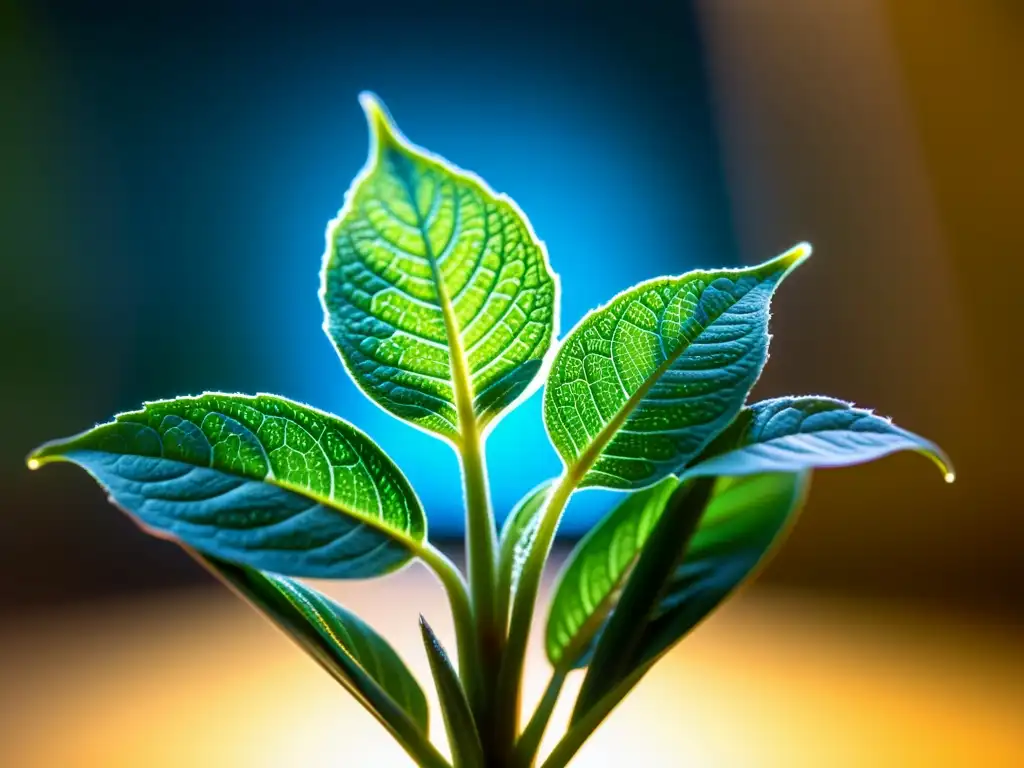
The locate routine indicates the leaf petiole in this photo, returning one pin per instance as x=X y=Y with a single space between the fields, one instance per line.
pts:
x=525 y=600
x=462 y=613
x=529 y=742
x=581 y=730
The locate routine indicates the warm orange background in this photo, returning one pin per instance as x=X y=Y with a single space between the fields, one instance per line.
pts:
x=776 y=679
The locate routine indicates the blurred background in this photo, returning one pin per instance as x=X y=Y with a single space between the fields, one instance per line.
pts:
x=168 y=169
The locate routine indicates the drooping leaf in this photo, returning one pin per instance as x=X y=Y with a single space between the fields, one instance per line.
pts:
x=352 y=652
x=788 y=434
x=680 y=578
x=458 y=717
x=259 y=480
x=592 y=578
x=345 y=645
x=432 y=284
x=641 y=385
x=517 y=537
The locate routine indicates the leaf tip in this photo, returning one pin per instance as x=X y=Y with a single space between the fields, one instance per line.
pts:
x=382 y=127
x=795 y=256
x=45 y=453
x=942 y=460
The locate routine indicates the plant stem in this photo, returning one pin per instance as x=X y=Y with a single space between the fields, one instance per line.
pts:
x=462 y=612
x=481 y=539
x=481 y=548
x=523 y=605
x=581 y=729
x=529 y=742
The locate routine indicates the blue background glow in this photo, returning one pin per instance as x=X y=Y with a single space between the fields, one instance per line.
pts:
x=200 y=176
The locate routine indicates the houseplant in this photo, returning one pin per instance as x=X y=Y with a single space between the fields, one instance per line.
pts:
x=443 y=306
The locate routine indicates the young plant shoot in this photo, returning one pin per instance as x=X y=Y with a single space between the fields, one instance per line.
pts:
x=443 y=307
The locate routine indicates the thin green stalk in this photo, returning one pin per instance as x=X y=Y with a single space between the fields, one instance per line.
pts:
x=481 y=538
x=462 y=612
x=524 y=604
x=481 y=548
x=529 y=742
x=525 y=600
x=581 y=730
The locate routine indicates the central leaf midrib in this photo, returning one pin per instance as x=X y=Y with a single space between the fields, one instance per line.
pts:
x=462 y=387
x=271 y=478
x=399 y=536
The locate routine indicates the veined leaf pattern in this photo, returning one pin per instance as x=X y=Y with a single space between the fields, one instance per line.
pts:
x=259 y=480
x=433 y=282
x=787 y=434
x=592 y=578
x=642 y=384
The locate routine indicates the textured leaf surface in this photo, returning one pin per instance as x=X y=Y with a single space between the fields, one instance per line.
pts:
x=256 y=480
x=517 y=536
x=789 y=434
x=458 y=718
x=424 y=265
x=642 y=384
x=354 y=654
x=678 y=581
x=592 y=577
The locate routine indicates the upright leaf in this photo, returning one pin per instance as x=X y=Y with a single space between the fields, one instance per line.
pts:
x=679 y=579
x=458 y=717
x=262 y=481
x=435 y=288
x=642 y=384
x=616 y=650
x=789 y=434
x=743 y=525
x=592 y=578
x=356 y=656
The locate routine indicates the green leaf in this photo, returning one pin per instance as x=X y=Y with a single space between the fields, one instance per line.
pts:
x=261 y=481
x=641 y=385
x=339 y=640
x=742 y=527
x=615 y=653
x=435 y=288
x=356 y=656
x=458 y=717
x=592 y=578
x=680 y=578
x=517 y=535
x=789 y=434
